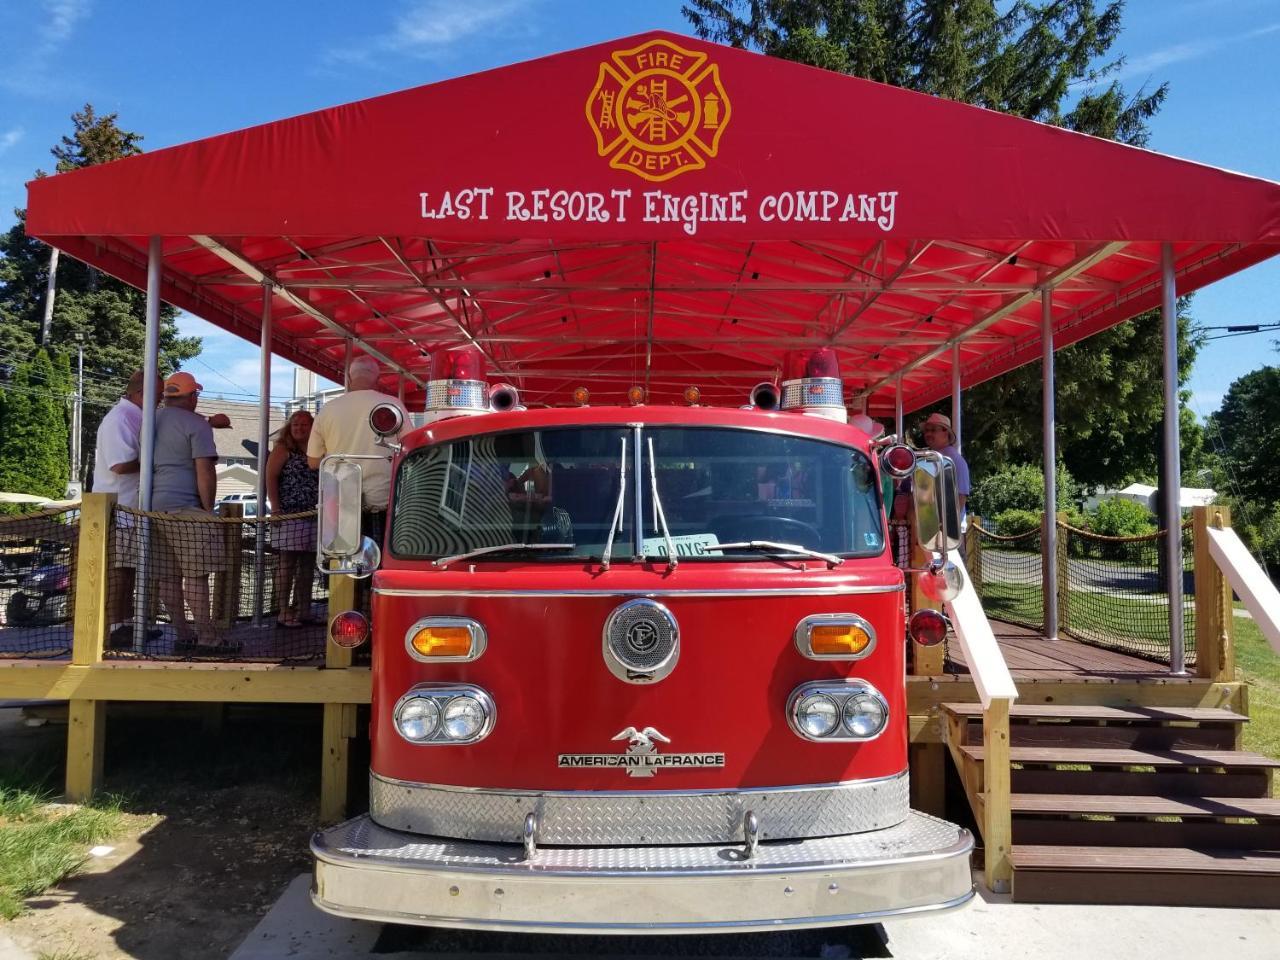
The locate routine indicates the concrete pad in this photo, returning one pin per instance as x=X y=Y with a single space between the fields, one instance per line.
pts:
x=991 y=926
x=11 y=951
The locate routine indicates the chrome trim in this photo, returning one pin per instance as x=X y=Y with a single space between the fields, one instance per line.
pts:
x=840 y=691
x=619 y=667
x=812 y=392
x=758 y=592
x=479 y=638
x=443 y=693
x=804 y=635
x=366 y=872
x=457 y=395
x=635 y=817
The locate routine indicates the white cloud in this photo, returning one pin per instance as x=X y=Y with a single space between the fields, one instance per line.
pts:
x=430 y=28
x=1193 y=50
x=31 y=73
x=62 y=17
x=10 y=137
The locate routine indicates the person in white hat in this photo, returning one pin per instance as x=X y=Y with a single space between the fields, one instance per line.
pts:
x=939 y=436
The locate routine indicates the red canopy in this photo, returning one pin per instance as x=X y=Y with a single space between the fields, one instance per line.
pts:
x=666 y=211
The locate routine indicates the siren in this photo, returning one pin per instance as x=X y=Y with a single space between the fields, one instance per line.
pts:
x=504 y=397
x=456 y=384
x=765 y=396
x=812 y=384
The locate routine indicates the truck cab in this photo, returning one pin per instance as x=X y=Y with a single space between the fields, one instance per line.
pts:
x=636 y=668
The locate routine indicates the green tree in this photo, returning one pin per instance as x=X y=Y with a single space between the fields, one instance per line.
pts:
x=109 y=314
x=1247 y=428
x=1050 y=61
x=33 y=429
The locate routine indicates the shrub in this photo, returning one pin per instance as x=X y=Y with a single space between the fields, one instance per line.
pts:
x=1012 y=522
x=1020 y=488
x=1118 y=517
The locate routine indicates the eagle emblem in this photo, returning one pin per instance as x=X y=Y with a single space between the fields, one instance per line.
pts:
x=658 y=110
x=641 y=743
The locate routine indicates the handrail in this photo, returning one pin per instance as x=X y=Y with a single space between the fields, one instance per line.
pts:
x=986 y=663
x=1248 y=580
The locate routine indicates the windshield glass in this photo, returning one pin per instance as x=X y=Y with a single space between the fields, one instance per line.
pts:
x=545 y=486
x=731 y=486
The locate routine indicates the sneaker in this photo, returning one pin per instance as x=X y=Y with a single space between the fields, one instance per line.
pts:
x=121 y=638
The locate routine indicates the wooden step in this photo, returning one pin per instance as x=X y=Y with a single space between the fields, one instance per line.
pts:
x=1145 y=875
x=1057 y=770
x=1051 y=711
x=1145 y=806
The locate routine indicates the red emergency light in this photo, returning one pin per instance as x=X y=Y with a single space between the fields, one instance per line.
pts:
x=461 y=363
x=811 y=383
x=457 y=384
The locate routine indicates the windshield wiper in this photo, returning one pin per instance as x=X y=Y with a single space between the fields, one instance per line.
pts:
x=771 y=546
x=615 y=524
x=659 y=516
x=501 y=548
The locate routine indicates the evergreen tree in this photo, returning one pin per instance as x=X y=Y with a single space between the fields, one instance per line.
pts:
x=33 y=443
x=110 y=315
x=1049 y=61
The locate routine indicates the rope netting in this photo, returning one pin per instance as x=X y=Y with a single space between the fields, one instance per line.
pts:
x=1112 y=591
x=37 y=582
x=207 y=596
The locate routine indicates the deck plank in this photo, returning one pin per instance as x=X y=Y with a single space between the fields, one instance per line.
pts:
x=1232 y=759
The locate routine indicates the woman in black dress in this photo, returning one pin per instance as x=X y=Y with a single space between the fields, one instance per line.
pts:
x=293 y=487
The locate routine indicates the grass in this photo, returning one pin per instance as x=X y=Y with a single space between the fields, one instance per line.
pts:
x=41 y=843
x=1259 y=666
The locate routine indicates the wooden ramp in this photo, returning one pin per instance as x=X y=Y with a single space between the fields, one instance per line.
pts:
x=1135 y=804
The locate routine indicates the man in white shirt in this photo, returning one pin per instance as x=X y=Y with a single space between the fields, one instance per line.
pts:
x=342 y=426
x=115 y=470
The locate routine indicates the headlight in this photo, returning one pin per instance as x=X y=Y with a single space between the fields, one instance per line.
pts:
x=417 y=719
x=864 y=715
x=837 y=711
x=444 y=714
x=463 y=718
x=817 y=715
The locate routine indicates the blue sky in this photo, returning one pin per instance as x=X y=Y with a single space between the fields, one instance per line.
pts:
x=176 y=76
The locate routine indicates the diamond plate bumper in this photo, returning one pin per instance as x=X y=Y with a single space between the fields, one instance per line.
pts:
x=368 y=872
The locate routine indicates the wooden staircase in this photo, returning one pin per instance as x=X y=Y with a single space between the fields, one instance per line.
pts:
x=1132 y=805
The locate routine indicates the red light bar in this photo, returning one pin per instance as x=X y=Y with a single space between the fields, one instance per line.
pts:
x=461 y=363
x=812 y=364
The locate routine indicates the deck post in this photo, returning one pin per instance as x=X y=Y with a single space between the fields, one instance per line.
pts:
x=1063 y=585
x=1049 y=540
x=997 y=834
x=226 y=583
x=1215 y=649
x=973 y=552
x=86 y=718
x=1172 y=457
x=339 y=725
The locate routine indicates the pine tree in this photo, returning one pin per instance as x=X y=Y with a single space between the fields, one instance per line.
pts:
x=109 y=314
x=1029 y=59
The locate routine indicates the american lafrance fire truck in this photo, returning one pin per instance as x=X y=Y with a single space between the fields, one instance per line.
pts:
x=638 y=668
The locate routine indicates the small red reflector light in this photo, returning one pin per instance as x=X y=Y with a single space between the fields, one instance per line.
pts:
x=385 y=419
x=635 y=395
x=581 y=395
x=692 y=395
x=349 y=629
x=899 y=460
x=928 y=627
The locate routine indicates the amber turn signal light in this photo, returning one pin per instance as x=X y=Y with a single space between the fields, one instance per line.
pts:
x=836 y=640
x=442 y=642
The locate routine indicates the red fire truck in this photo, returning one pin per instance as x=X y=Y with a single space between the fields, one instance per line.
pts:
x=638 y=668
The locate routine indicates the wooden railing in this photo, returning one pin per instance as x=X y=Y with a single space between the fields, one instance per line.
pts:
x=89 y=682
x=1233 y=568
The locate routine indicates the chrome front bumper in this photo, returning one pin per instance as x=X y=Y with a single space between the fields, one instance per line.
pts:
x=368 y=872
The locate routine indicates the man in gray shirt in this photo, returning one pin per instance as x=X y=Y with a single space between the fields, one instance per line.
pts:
x=189 y=548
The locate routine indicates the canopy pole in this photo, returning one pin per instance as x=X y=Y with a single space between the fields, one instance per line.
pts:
x=147 y=445
x=897 y=410
x=346 y=361
x=400 y=389
x=1172 y=455
x=264 y=440
x=1049 y=542
x=955 y=395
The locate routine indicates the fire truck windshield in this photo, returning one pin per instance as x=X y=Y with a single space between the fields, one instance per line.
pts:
x=717 y=486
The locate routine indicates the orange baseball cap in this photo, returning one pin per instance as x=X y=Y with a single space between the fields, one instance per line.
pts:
x=181 y=384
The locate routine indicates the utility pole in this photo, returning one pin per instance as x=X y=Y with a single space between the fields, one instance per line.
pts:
x=77 y=465
x=51 y=288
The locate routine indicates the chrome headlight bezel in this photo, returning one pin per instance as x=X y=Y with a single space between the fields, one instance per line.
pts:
x=479 y=638
x=840 y=691
x=804 y=635
x=442 y=694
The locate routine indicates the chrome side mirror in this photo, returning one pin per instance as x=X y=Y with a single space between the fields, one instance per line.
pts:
x=338 y=510
x=942 y=583
x=366 y=559
x=937 y=502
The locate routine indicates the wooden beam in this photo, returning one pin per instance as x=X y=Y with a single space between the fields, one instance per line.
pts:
x=1215 y=651
x=925 y=661
x=997 y=834
x=91 y=571
x=929 y=778
x=338 y=728
x=183 y=681
x=342 y=597
x=926 y=694
x=86 y=728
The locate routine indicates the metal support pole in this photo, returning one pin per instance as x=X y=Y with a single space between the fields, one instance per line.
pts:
x=400 y=389
x=955 y=395
x=264 y=441
x=77 y=472
x=1049 y=545
x=1172 y=459
x=50 y=291
x=147 y=445
x=346 y=361
x=897 y=410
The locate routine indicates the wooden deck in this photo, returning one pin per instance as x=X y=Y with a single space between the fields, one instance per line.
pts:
x=1032 y=657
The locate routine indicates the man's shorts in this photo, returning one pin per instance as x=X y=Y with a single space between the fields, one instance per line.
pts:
x=124 y=550
x=186 y=546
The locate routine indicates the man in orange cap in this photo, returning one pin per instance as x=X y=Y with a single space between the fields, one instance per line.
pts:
x=184 y=483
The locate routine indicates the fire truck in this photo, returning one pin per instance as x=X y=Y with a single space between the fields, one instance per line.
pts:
x=638 y=668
